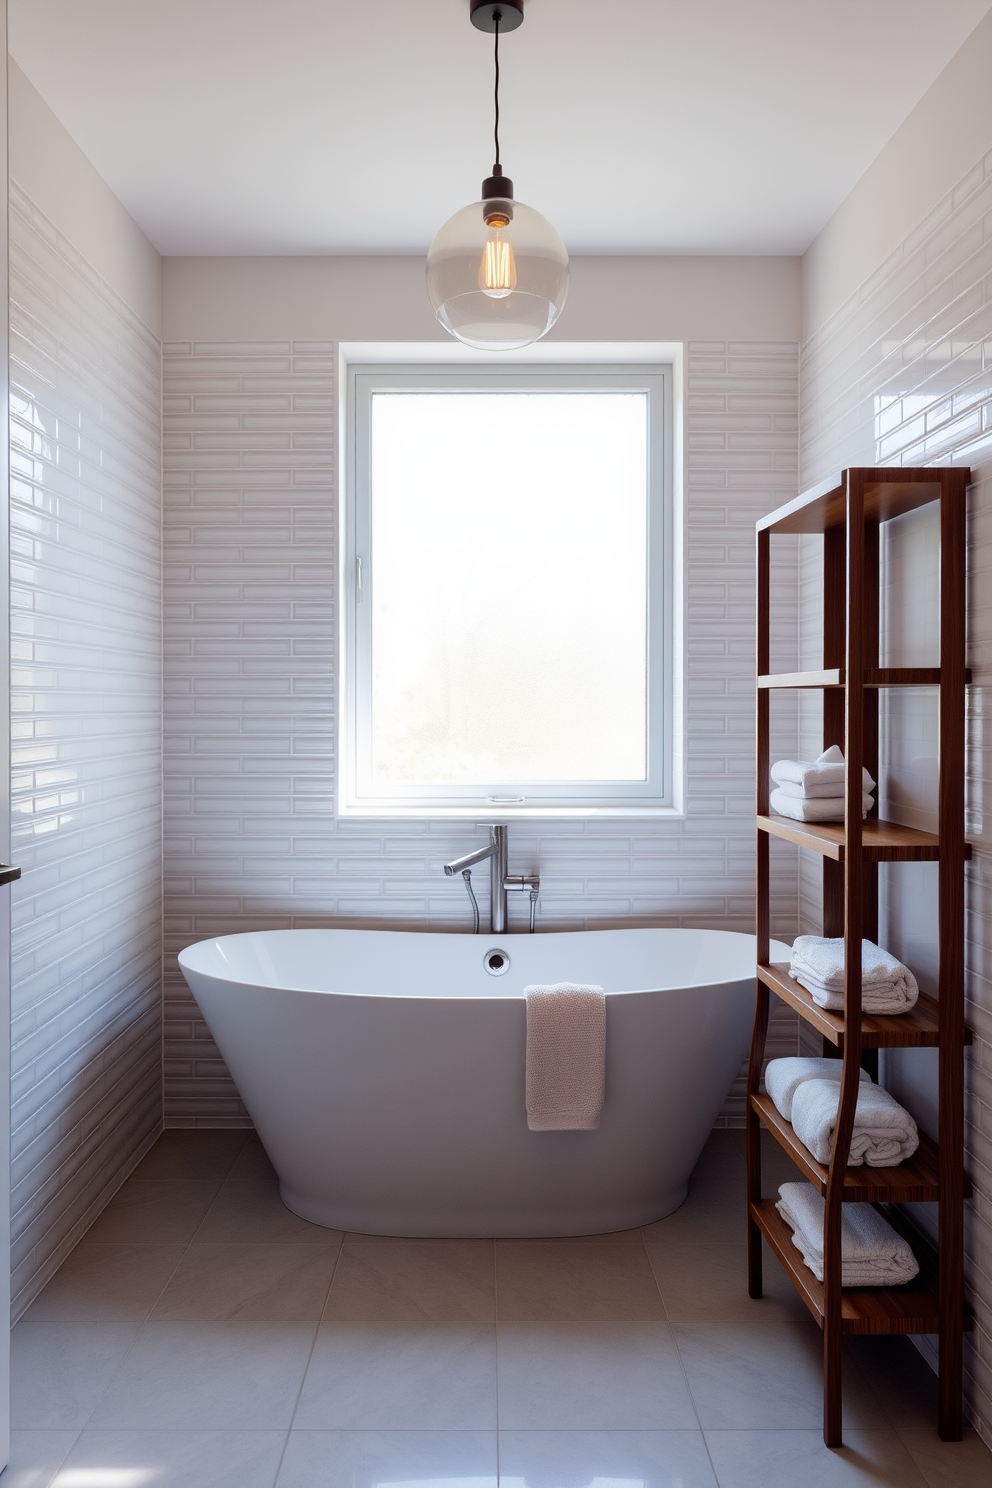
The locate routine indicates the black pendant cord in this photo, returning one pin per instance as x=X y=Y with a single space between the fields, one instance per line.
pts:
x=496 y=20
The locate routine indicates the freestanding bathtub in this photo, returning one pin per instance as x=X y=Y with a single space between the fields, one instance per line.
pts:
x=384 y=1071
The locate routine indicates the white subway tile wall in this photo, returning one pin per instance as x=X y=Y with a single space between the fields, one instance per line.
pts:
x=251 y=837
x=902 y=375
x=86 y=664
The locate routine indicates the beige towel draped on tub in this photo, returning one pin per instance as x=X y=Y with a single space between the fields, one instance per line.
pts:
x=566 y=1056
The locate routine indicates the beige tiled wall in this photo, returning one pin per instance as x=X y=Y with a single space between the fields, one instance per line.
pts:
x=902 y=375
x=250 y=615
x=86 y=665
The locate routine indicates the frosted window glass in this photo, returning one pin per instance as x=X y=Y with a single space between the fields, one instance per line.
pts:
x=509 y=587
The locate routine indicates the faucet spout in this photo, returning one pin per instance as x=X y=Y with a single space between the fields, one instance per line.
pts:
x=458 y=865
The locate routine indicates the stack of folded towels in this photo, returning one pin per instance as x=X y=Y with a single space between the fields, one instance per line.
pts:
x=813 y=790
x=807 y=1093
x=872 y=1254
x=887 y=986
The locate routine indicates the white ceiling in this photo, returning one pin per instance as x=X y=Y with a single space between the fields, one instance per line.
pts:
x=358 y=126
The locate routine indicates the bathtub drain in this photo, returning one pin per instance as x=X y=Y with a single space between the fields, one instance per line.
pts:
x=496 y=962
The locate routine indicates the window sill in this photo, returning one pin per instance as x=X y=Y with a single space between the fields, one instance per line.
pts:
x=484 y=811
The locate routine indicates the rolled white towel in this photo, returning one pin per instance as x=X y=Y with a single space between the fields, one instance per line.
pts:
x=824 y=809
x=829 y=771
x=783 y=1078
x=887 y=986
x=884 y=1134
x=872 y=1254
x=566 y=1056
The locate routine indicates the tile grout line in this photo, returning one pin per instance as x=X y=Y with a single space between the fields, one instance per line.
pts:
x=306 y=1369
x=678 y=1355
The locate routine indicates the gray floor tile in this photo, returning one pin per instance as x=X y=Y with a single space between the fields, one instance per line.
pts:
x=252 y=1164
x=605 y=1237
x=575 y=1283
x=402 y=1383
x=788 y=1459
x=591 y=1376
x=366 y=1459
x=60 y=1370
x=768 y=1376
x=723 y=1145
x=358 y=1237
x=715 y=1211
x=964 y=1464
x=400 y=1377
x=35 y=1457
x=649 y=1459
x=899 y=1377
x=107 y=1283
x=220 y=1376
x=267 y=1283
x=414 y=1281
x=253 y=1213
x=776 y=1165
x=173 y=1459
x=709 y=1283
x=193 y=1154
x=154 y=1212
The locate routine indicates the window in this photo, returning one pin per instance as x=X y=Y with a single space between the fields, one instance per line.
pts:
x=508 y=538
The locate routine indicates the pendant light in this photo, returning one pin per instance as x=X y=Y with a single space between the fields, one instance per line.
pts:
x=497 y=272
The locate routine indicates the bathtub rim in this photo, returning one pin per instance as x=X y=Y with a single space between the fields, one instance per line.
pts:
x=499 y=992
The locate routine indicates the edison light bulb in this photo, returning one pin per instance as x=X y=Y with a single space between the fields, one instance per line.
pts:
x=498 y=270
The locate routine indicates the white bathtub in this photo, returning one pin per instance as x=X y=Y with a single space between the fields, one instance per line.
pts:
x=384 y=1072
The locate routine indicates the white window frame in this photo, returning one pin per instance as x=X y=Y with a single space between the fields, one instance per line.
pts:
x=660 y=794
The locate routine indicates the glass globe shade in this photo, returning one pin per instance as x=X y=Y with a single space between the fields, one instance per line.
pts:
x=497 y=288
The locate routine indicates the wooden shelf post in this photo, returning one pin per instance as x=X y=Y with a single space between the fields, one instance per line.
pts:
x=762 y=909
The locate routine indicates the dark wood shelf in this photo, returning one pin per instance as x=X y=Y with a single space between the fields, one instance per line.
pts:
x=917 y=1029
x=912 y=1308
x=887 y=493
x=915 y=1181
x=849 y=511
x=881 y=841
x=873 y=677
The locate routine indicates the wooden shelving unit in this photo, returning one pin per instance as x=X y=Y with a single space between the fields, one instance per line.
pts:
x=848 y=511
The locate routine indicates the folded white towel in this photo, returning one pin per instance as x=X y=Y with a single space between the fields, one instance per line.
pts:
x=825 y=809
x=566 y=1056
x=812 y=792
x=872 y=1254
x=829 y=770
x=783 y=1077
x=818 y=965
x=884 y=1134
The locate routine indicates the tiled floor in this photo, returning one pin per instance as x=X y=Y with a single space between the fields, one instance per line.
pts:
x=203 y=1337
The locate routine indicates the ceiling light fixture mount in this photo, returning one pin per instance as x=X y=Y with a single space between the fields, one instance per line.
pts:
x=506 y=16
x=497 y=272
